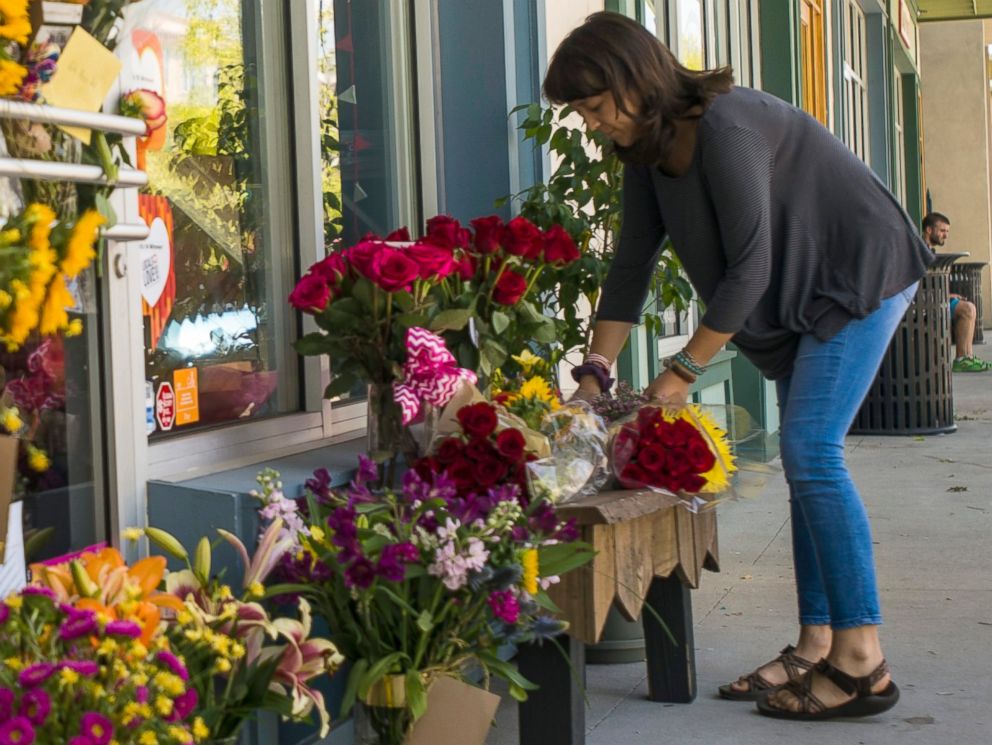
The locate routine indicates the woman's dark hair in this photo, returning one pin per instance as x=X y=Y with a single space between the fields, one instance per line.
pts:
x=610 y=52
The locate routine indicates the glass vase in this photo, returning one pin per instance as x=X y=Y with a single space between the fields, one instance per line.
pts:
x=383 y=718
x=388 y=439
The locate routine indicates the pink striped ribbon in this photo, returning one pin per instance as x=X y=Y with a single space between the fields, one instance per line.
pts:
x=430 y=374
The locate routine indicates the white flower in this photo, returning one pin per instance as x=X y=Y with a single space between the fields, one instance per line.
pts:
x=449 y=566
x=477 y=554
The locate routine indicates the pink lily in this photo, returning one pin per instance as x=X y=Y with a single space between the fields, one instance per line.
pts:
x=301 y=660
x=270 y=551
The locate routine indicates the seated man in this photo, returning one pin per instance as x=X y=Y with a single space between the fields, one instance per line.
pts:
x=936 y=228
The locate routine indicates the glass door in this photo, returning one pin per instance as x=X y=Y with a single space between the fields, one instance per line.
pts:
x=55 y=385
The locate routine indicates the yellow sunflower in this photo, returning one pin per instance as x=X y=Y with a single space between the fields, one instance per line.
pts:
x=539 y=389
x=11 y=76
x=718 y=477
x=14 y=21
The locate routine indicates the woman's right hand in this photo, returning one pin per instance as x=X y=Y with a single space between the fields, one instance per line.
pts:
x=588 y=390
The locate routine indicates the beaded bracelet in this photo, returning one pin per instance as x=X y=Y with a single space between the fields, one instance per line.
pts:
x=598 y=359
x=689 y=363
x=670 y=363
x=602 y=377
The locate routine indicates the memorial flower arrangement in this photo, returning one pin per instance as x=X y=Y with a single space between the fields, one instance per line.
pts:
x=38 y=257
x=73 y=674
x=241 y=659
x=473 y=286
x=236 y=658
x=421 y=581
x=495 y=309
x=675 y=450
x=529 y=393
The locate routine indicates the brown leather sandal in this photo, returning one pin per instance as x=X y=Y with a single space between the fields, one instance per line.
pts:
x=865 y=703
x=758 y=686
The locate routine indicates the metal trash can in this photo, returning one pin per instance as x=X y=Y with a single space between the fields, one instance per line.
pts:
x=966 y=281
x=912 y=392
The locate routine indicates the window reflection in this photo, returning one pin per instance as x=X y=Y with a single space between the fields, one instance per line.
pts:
x=212 y=354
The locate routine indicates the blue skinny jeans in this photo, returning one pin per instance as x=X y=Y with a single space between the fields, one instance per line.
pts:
x=818 y=401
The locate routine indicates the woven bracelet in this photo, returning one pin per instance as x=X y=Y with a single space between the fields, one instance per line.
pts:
x=679 y=369
x=602 y=377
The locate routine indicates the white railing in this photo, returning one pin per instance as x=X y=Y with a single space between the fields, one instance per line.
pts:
x=47 y=170
x=32 y=112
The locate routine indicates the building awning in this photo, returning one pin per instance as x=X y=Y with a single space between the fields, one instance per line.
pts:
x=954 y=10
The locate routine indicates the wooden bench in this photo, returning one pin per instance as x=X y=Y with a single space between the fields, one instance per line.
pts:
x=647 y=554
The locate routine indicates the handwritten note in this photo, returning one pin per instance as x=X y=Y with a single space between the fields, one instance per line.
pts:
x=86 y=72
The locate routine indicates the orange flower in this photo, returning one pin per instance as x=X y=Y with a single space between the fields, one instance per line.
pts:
x=124 y=593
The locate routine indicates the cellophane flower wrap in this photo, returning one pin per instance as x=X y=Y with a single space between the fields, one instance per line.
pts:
x=576 y=461
x=75 y=674
x=423 y=580
x=681 y=452
x=578 y=465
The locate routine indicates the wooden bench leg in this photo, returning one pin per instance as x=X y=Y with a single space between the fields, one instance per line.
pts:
x=671 y=667
x=555 y=713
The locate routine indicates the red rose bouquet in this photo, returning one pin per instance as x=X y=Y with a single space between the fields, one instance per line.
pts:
x=676 y=451
x=494 y=309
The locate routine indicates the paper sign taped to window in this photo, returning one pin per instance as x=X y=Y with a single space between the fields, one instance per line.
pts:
x=86 y=73
x=187 y=395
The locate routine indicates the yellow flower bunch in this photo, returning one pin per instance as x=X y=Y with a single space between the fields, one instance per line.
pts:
x=530 y=398
x=15 y=25
x=14 y=21
x=37 y=257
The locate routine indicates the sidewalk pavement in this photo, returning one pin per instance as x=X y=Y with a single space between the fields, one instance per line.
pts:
x=930 y=500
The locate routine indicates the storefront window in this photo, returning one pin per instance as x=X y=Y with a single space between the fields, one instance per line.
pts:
x=362 y=128
x=213 y=295
x=689 y=34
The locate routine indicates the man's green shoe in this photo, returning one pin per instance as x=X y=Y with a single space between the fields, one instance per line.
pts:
x=970 y=364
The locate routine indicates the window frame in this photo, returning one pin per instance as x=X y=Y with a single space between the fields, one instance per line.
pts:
x=293 y=26
x=857 y=132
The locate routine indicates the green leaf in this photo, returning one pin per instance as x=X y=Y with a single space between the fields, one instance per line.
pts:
x=311 y=344
x=340 y=385
x=364 y=292
x=507 y=671
x=337 y=320
x=501 y=321
x=545 y=332
x=409 y=320
x=358 y=670
x=416 y=695
x=493 y=352
x=561 y=558
x=104 y=207
x=425 y=621
x=375 y=673
x=453 y=319
x=518 y=693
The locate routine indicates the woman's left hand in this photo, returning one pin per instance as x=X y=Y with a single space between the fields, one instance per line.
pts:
x=669 y=389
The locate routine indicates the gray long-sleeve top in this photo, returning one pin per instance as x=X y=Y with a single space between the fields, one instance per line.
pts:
x=781 y=230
